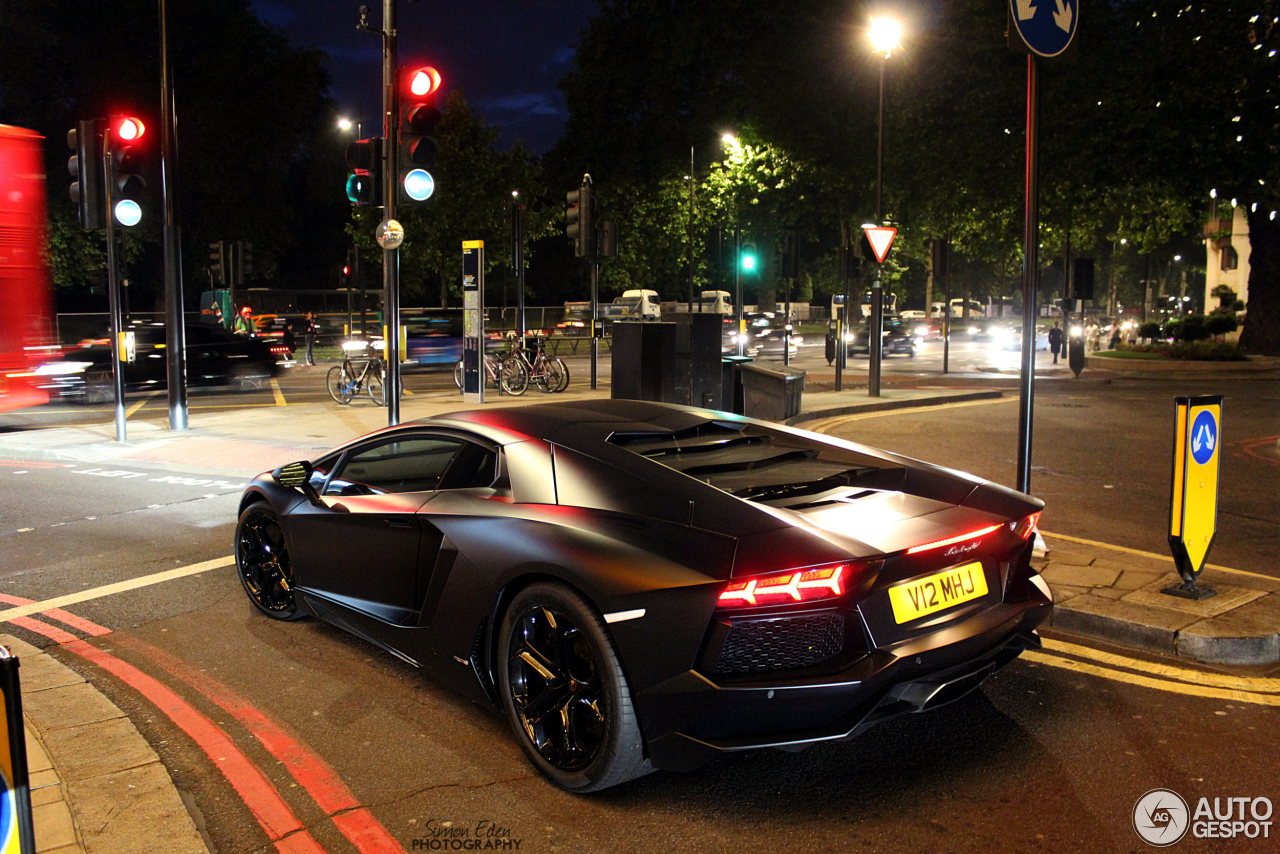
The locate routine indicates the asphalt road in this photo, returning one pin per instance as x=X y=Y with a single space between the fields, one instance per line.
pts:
x=1102 y=458
x=300 y=384
x=1046 y=757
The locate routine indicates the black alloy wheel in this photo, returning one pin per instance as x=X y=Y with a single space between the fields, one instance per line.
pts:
x=564 y=691
x=263 y=562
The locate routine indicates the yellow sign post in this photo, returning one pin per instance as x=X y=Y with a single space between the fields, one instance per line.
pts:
x=17 y=834
x=1193 y=509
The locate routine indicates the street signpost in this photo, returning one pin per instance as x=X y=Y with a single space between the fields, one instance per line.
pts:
x=880 y=239
x=1043 y=28
x=473 y=321
x=1193 y=504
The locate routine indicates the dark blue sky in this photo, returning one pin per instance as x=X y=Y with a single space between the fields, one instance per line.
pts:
x=505 y=55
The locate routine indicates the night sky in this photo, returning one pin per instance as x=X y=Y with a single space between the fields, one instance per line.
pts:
x=505 y=55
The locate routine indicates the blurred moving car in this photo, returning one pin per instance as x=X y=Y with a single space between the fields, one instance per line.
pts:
x=214 y=357
x=1008 y=336
x=434 y=339
x=897 y=339
x=766 y=335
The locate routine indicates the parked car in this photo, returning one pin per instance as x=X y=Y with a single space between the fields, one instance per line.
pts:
x=640 y=585
x=214 y=357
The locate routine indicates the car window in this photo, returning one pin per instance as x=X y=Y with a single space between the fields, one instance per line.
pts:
x=412 y=464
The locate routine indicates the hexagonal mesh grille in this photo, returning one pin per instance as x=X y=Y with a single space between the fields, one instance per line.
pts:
x=781 y=644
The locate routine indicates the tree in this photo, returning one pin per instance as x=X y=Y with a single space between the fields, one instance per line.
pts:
x=257 y=155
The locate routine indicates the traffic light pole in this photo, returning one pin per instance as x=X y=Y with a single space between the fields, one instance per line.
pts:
x=176 y=331
x=1030 y=274
x=113 y=291
x=390 y=175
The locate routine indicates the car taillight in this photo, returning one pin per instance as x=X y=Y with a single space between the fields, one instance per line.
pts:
x=950 y=541
x=1026 y=528
x=806 y=585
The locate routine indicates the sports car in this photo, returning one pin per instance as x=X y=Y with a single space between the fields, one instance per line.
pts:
x=642 y=585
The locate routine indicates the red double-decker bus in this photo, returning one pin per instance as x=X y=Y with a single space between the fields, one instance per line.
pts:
x=26 y=320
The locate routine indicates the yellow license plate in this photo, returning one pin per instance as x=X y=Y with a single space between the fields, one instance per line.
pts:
x=937 y=592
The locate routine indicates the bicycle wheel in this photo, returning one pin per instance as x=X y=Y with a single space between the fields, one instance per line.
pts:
x=514 y=376
x=376 y=385
x=557 y=375
x=342 y=387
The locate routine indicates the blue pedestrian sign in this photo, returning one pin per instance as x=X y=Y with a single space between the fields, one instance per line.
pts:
x=1046 y=27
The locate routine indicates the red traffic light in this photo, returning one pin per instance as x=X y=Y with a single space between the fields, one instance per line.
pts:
x=346 y=271
x=129 y=129
x=423 y=81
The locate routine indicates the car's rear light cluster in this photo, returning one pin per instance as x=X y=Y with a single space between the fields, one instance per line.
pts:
x=951 y=541
x=805 y=585
x=1026 y=528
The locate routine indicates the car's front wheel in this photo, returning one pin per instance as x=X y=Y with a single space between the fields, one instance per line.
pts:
x=263 y=563
x=564 y=692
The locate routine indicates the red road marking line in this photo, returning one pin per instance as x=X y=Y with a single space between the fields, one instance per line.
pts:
x=87 y=626
x=272 y=813
x=315 y=775
x=30 y=465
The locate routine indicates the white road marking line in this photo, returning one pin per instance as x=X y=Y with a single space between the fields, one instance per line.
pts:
x=117 y=587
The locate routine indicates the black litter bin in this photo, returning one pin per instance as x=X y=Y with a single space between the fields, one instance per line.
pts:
x=771 y=391
x=731 y=383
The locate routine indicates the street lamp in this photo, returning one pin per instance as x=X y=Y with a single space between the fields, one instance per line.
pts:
x=345 y=124
x=885 y=35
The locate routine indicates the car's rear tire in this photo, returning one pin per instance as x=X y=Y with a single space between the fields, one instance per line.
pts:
x=564 y=693
x=262 y=561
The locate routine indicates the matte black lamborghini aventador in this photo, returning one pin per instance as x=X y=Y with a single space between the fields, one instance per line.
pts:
x=639 y=585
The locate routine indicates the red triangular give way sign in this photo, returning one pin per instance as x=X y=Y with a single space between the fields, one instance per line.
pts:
x=881 y=238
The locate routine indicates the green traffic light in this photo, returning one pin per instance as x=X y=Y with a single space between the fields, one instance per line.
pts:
x=748 y=261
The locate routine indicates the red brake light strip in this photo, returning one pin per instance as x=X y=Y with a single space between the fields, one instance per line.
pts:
x=937 y=544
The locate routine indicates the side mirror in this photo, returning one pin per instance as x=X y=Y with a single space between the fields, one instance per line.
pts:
x=297 y=476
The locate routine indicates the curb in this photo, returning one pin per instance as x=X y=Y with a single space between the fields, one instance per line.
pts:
x=107 y=790
x=881 y=405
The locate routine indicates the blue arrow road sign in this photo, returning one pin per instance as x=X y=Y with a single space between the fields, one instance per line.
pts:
x=1046 y=27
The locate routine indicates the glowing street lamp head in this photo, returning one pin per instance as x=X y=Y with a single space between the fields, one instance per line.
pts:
x=345 y=123
x=885 y=34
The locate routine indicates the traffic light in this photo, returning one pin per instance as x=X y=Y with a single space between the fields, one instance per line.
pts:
x=580 y=224
x=748 y=259
x=85 y=167
x=218 y=263
x=418 y=145
x=364 y=172
x=126 y=183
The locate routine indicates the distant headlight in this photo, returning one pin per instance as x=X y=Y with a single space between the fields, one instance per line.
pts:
x=1004 y=336
x=921 y=331
x=848 y=338
x=1076 y=330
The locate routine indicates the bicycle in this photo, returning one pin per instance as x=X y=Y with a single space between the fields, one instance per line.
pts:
x=549 y=373
x=503 y=372
x=345 y=381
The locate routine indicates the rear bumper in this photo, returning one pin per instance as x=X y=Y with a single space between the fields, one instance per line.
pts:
x=691 y=719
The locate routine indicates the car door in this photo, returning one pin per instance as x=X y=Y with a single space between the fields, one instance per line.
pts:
x=366 y=546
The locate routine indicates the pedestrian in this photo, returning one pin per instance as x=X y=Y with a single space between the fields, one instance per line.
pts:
x=290 y=342
x=244 y=322
x=1055 y=341
x=1115 y=336
x=309 y=331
